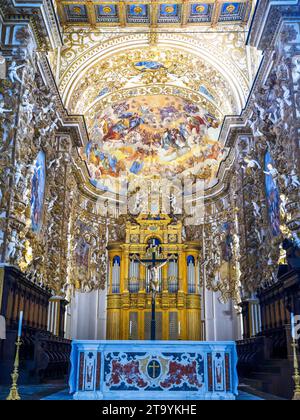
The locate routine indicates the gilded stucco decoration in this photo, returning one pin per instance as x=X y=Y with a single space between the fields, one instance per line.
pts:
x=173 y=68
x=38 y=195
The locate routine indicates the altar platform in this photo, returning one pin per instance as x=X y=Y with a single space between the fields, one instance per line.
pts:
x=160 y=370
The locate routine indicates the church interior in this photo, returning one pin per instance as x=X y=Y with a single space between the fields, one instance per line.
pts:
x=149 y=199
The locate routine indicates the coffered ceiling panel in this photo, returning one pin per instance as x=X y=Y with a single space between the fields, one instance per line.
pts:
x=153 y=12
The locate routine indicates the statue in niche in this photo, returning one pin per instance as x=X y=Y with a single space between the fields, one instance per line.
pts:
x=292 y=253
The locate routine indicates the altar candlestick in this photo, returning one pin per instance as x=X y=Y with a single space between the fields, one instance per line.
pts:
x=14 y=393
x=20 y=324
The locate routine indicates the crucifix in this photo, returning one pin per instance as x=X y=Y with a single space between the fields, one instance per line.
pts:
x=153 y=265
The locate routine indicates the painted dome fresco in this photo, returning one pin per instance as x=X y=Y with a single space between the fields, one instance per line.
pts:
x=165 y=135
x=153 y=107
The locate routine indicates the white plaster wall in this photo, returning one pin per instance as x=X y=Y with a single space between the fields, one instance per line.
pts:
x=87 y=316
x=221 y=321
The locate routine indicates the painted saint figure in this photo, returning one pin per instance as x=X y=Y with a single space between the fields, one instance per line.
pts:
x=272 y=194
x=38 y=191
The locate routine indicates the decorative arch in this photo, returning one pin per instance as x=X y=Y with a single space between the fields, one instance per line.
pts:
x=237 y=81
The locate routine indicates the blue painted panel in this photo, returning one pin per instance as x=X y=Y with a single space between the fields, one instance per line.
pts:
x=200 y=12
x=138 y=10
x=169 y=13
x=230 y=8
x=231 y=12
x=107 y=10
x=107 y=13
x=138 y=13
x=76 y=13
x=169 y=9
x=199 y=8
x=38 y=192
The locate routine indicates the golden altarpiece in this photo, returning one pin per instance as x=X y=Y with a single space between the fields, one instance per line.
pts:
x=178 y=302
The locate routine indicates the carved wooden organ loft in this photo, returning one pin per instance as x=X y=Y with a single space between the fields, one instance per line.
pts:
x=178 y=302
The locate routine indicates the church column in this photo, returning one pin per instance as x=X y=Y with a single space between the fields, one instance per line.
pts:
x=251 y=312
x=56 y=316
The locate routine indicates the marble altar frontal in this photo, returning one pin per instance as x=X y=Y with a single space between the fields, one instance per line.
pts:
x=106 y=370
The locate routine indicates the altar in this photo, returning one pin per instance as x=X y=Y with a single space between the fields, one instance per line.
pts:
x=160 y=370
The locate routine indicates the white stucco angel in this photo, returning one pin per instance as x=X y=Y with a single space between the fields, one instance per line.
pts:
x=294 y=180
x=173 y=203
x=12 y=72
x=254 y=124
x=251 y=163
x=55 y=161
x=19 y=172
x=50 y=107
x=283 y=203
x=51 y=203
x=28 y=108
x=12 y=246
x=257 y=209
x=138 y=204
x=4 y=110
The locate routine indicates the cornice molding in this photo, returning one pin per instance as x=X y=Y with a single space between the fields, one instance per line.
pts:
x=267 y=19
x=40 y=11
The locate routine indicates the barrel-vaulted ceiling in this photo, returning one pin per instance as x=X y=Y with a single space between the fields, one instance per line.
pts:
x=153 y=100
x=153 y=12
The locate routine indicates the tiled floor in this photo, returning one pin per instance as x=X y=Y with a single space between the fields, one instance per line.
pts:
x=56 y=392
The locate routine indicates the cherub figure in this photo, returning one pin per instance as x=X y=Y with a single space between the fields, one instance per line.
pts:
x=12 y=246
x=12 y=72
x=294 y=179
x=4 y=110
x=251 y=164
x=257 y=209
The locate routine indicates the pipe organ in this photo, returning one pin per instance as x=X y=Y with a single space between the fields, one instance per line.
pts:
x=178 y=301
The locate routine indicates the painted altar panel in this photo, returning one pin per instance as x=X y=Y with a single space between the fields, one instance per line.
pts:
x=153 y=370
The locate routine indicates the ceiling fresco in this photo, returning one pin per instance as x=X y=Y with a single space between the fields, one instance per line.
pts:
x=152 y=111
x=153 y=101
x=154 y=13
x=154 y=134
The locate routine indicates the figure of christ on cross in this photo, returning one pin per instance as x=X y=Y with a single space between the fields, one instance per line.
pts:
x=152 y=266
